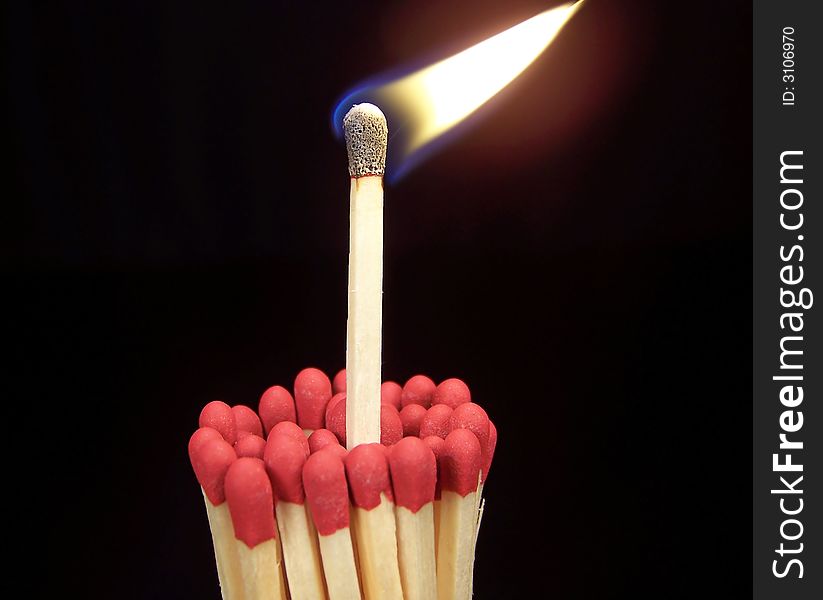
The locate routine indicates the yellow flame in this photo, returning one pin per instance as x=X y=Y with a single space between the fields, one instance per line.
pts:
x=442 y=95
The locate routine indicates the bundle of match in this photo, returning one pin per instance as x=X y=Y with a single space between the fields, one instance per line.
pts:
x=293 y=514
x=360 y=489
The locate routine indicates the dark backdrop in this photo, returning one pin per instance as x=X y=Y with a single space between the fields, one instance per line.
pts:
x=176 y=231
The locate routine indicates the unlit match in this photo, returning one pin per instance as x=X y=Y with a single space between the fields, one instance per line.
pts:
x=211 y=456
x=458 y=515
x=367 y=471
x=299 y=516
x=284 y=459
x=327 y=493
x=414 y=476
x=251 y=504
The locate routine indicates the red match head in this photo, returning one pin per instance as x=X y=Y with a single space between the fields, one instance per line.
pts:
x=338 y=450
x=412 y=416
x=452 y=392
x=436 y=421
x=367 y=470
x=249 y=445
x=211 y=459
x=321 y=438
x=489 y=454
x=472 y=417
x=391 y=427
x=247 y=420
x=201 y=436
x=327 y=493
x=390 y=393
x=251 y=504
x=461 y=462
x=312 y=391
x=438 y=447
x=338 y=384
x=413 y=473
x=284 y=458
x=276 y=405
x=336 y=417
x=293 y=431
x=418 y=390
x=218 y=415
x=339 y=397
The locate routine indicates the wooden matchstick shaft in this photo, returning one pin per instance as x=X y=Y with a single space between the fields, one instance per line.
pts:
x=455 y=553
x=327 y=497
x=365 y=318
x=262 y=577
x=416 y=552
x=225 y=550
x=481 y=505
x=436 y=514
x=300 y=551
x=339 y=565
x=376 y=537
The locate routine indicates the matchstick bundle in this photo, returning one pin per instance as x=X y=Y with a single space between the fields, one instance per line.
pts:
x=296 y=515
x=377 y=498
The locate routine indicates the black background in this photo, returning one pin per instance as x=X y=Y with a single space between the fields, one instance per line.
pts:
x=176 y=231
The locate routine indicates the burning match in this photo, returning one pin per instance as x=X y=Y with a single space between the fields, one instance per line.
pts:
x=366 y=139
x=395 y=513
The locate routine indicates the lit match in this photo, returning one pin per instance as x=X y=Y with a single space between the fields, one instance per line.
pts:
x=390 y=517
x=366 y=134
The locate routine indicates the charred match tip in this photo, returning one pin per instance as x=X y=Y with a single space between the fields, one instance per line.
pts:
x=366 y=137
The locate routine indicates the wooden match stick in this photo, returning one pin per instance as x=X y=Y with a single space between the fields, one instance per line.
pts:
x=251 y=504
x=458 y=515
x=284 y=458
x=414 y=474
x=327 y=494
x=438 y=447
x=366 y=135
x=367 y=470
x=487 y=455
x=472 y=417
x=211 y=456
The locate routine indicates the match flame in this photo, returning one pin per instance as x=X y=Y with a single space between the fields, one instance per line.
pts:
x=424 y=105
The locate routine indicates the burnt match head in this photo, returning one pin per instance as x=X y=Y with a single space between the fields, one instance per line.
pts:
x=366 y=134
